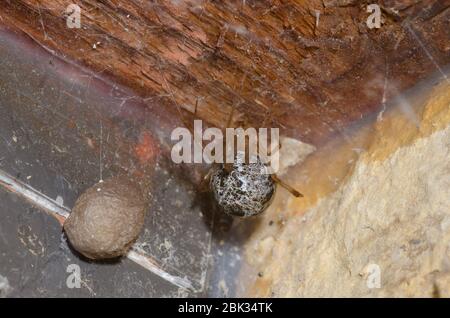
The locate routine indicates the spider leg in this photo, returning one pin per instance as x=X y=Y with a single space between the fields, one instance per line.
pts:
x=195 y=108
x=230 y=116
x=286 y=186
x=178 y=107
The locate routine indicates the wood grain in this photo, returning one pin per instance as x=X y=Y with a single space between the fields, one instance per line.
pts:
x=271 y=59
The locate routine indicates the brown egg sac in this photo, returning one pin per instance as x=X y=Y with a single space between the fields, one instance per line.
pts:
x=107 y=218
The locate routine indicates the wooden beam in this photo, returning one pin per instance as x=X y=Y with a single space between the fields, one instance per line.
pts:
x=310 y=67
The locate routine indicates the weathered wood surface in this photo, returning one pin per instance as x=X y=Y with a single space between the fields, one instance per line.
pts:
x=274 y=60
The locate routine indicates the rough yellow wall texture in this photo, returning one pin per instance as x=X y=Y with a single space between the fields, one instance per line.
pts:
x=378 y=198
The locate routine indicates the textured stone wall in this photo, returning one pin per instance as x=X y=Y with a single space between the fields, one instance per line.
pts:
x=390 y=211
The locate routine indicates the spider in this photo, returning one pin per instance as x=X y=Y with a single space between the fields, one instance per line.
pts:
x=242 y=188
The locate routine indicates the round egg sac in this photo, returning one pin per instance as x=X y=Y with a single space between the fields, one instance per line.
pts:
x=106 y=219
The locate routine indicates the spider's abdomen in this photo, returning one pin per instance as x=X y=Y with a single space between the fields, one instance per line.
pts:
x=244 y=191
